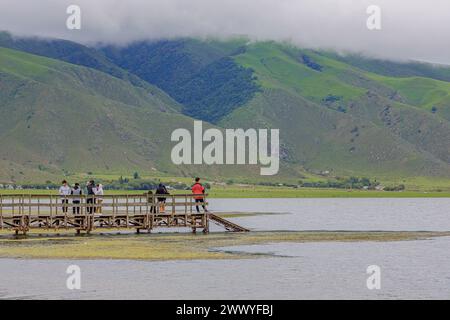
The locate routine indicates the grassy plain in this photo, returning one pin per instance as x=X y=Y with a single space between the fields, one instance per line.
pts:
x=255 y=191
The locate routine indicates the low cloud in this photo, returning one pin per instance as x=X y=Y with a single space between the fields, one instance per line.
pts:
x=411 y=29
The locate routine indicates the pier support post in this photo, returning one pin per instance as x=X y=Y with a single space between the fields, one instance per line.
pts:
x=206 y=227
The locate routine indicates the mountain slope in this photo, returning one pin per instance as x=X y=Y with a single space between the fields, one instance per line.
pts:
x=67 y=51
x=393 y=68
x=55 y=116
x=371 y=127
x=201 y=76
x=335 y=114
x=58 y=118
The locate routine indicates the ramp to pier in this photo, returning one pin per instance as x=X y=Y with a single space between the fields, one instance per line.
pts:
x=85 y=213
x=228 y=225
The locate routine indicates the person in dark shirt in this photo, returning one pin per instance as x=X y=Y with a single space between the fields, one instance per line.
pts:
x=90 y=196
x=76 y=192
x=150 y=200
x=162 y=200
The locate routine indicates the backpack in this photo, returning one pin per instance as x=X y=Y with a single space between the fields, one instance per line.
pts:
x=76 y=192
x=161 y=190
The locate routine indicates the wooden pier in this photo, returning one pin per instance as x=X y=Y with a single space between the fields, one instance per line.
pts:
x=21 y=213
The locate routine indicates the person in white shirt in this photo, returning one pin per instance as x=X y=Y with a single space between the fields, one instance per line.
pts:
x=99 y=193
x=65 y=191
x=99 y=190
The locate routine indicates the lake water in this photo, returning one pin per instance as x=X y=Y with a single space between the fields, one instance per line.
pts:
x=409 y=269
x=342 y=214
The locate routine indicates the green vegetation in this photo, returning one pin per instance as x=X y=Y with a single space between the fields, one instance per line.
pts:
x=394 y=69
x=282 y=67
x=340 y=117
x=198 y=75
x=175 y=247
x=256 y=191
x=57 y=119
x=284 y=192
x=70 y=52
x=217 y=90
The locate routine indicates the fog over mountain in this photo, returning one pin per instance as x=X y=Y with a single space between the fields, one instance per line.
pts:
x=411 y=29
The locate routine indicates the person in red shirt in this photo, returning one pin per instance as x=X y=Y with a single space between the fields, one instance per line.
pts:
x=199 y=190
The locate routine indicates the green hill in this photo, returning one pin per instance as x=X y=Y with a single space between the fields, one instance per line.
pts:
x=335 y=113
x=67 y=51
x=200 y=75
x=339 y=118
x=342 y=115
x=61 y=119
x=56 y=116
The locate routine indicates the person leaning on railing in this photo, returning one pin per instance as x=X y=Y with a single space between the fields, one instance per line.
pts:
x=64 y=191
x=99 y=195
x=162 y=190
x=199 y=194
x=150 y=201
x=76 y=192
x=90 y=196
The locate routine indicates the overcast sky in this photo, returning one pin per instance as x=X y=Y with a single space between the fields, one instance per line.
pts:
x=411 y=29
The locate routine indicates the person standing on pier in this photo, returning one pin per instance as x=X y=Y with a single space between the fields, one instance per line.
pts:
x=99 y=193
x=91 y=196
x=199 y=194
x=76 y=192
x=162 y=200
x=64 y=191
x=151 y=201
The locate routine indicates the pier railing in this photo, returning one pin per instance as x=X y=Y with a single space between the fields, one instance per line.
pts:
x=34 y=204
x=21 y=212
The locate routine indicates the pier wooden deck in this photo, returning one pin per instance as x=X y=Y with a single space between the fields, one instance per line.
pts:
x=21 y=213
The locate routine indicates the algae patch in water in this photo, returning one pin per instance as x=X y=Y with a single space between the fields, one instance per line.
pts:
x=177 y=246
